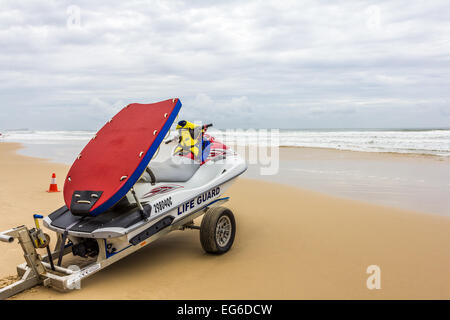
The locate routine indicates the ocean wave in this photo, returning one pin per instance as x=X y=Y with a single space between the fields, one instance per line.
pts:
x=47 y=136
x=431 y=142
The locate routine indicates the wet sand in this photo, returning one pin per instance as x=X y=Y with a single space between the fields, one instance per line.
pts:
x=404 y=181
x=291 y=243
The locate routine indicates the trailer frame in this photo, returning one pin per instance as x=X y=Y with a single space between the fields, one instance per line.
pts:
x=37 y=269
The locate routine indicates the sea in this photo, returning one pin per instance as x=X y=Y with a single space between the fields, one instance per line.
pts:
x=64 y=146
x=418 y=183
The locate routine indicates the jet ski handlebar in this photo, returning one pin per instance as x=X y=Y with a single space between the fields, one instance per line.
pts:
x=204 y=129
x=206 y=126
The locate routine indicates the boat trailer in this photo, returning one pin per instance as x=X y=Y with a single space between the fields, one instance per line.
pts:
x=66 y=274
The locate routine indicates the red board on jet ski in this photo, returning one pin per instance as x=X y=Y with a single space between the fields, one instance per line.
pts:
x=117 y=155
x=119 y=201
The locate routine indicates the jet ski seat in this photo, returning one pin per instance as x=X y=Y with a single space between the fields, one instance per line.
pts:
x=170 y=171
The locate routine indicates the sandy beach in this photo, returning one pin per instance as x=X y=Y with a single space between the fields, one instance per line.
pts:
x=291 y=243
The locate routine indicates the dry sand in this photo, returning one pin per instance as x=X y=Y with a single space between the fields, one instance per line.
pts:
x=290 y=244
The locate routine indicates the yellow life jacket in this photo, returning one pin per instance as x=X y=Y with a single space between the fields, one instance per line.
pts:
x=190 y=138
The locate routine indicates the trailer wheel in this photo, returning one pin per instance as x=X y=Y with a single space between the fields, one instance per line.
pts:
x=217 y=230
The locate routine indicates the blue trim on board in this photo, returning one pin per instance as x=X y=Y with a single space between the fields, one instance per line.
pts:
x=140 y=169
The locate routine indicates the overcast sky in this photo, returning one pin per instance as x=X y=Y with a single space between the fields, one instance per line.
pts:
x=287 y=64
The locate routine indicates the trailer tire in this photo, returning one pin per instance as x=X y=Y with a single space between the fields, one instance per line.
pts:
x=217 y=230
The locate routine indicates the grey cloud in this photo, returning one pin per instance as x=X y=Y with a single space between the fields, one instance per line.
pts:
x=253 y=63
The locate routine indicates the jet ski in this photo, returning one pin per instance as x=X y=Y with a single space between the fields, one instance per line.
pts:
x=135 y=181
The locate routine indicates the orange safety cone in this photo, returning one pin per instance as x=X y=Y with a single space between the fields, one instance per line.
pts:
x=53 y=185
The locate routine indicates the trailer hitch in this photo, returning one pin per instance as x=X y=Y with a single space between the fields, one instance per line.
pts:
x=30 y=240
x=35 y=267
